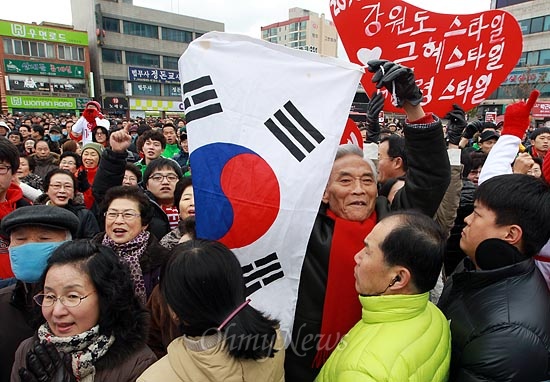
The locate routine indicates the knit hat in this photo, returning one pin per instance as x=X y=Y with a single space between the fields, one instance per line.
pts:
x=95 y=103
x=94 y=146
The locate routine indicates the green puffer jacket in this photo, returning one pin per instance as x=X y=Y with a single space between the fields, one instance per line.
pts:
x=399 y=338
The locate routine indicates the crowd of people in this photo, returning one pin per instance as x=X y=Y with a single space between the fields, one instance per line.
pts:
x=430 y=263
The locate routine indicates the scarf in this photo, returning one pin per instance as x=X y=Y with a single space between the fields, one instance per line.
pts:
x=13 y=194
x=130 y=254
x=341 y=309
x=85 y=349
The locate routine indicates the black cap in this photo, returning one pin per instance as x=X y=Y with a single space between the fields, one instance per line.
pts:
x=41 y=215
x=488 y=134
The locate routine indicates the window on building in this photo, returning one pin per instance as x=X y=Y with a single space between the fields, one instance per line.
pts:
x=143 y=59
x=546 y=26
x=8 y=46
x=145 y=88
x=537 y=24
x=111 y=25
x=170 y=62
x=140 y=29
x=177 y=35
x=522 y=59
x=198 y=34
x=525 y=26
x=172 y=90
x=532 y=58
x=28 y=48
x=113 y=86
x=544 y=58
x=111 y=55
x=70 y=53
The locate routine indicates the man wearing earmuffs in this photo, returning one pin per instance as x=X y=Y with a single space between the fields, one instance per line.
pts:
x=497 y=300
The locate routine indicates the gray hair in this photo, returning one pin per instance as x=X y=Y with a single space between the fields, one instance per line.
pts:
x=353 y=149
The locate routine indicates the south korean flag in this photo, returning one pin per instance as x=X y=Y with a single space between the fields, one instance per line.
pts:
x=264 y=122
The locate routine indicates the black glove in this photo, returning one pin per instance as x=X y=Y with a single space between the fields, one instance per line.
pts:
x=472 y=128
x=82 y=181
x=376 y=104
x=398 y=79
x=457 y=123
x=46 y=364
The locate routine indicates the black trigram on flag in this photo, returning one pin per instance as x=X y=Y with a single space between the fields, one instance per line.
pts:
x=200 y=99
x=295 y=124
x=262 y=272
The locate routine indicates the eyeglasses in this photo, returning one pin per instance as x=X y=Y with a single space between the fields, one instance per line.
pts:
x=69 y=301
x=126 y=215
x=130 y=179
x=4 y=169
x=59 y=186
x=159 y=177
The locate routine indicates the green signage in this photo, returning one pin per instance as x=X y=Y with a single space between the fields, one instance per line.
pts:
x=25 y=102
x=36 y=32
x=44 y=68
x=81 y=102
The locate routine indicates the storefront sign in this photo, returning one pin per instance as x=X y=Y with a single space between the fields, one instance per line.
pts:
x=541 y=110
x=36 y=32
x=81 y=103
x=24 y=102
x=44 y=68
x=152 y=74
x=115 y=103
x=151 y=104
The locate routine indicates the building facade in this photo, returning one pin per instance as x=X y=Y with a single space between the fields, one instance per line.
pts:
x=533 y=68
x=304 y=30
x=44 y=68
x=134 y=55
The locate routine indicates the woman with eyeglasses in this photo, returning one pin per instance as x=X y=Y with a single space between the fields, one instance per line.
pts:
x=224 y=338
x=128 y=214
x=95 y=327
x=60 y=188
x=101 y=135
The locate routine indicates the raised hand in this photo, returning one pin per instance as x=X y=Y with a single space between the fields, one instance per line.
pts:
x=457 y=123
x=516 y=116
x=376 y=104
x=398 y=79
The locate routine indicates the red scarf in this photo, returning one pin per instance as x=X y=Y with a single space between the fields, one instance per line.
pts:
x=341 y=309
x=88 y=195
x=13 y=194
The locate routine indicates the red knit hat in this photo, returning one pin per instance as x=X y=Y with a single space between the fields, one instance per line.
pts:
x=95 y=103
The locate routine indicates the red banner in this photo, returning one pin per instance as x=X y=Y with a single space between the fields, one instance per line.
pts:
x=456 y=58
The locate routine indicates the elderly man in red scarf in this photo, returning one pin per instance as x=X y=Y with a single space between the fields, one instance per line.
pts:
x=87 y=123
x=328 y=305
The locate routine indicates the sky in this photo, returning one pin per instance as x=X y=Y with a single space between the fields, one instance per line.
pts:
x=239 y=16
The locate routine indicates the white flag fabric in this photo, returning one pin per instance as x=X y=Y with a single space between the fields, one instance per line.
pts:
x=264 y=122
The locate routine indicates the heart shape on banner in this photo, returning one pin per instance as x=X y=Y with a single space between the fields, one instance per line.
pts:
x=456 y=58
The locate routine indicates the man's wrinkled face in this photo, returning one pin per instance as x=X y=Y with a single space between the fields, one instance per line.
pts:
x=351 y=190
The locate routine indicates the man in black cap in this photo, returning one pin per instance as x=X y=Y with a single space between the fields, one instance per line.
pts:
x=487 y=140
x=34 y=232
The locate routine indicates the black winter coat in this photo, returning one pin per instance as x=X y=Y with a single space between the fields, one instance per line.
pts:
x=427 y=180
x=500 y=323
